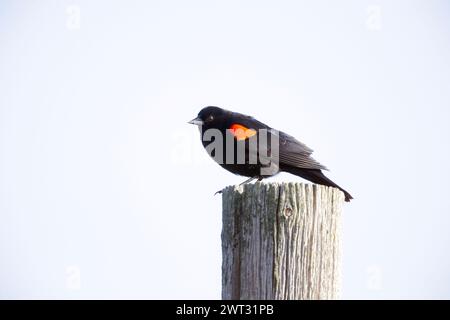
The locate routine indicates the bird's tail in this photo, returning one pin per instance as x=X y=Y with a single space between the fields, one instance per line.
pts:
x=316 y=176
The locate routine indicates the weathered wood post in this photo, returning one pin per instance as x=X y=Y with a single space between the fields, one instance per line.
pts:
x=281 y=241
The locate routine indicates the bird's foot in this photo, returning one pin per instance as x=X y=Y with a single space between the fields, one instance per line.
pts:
x=245 y=182
x=248 y=180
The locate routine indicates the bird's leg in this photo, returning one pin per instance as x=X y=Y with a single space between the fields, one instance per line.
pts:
x=245 y=182
x=248 y=180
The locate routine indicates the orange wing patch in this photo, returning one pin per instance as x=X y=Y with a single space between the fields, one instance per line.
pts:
x=241 y=132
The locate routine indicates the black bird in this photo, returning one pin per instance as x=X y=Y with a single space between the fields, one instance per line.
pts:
x=293 y=156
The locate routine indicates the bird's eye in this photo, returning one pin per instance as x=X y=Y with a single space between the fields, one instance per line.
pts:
x=210 y=118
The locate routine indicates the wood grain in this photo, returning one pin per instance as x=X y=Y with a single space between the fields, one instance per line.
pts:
x=281 y=241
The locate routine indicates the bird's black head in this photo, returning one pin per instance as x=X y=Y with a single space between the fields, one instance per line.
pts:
x=208 y=116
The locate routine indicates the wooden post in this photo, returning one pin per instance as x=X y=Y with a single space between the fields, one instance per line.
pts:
x=281 y=241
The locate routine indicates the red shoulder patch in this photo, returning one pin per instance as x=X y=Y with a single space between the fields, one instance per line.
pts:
x=241 y=132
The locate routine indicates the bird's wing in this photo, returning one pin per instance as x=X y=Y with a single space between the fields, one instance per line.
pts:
x=295 y=153
x=291 y=151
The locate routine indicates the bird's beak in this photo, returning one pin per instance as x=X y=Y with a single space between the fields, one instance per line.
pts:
x=197 y=121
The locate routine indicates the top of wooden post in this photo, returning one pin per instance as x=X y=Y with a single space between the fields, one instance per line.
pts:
x=319 y=192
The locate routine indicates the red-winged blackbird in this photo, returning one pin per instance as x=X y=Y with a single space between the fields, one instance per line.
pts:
x=245 y=154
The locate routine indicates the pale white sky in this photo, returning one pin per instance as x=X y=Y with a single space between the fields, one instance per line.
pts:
x=106 y=191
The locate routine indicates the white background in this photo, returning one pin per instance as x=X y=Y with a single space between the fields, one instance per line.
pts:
x=106 y=191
